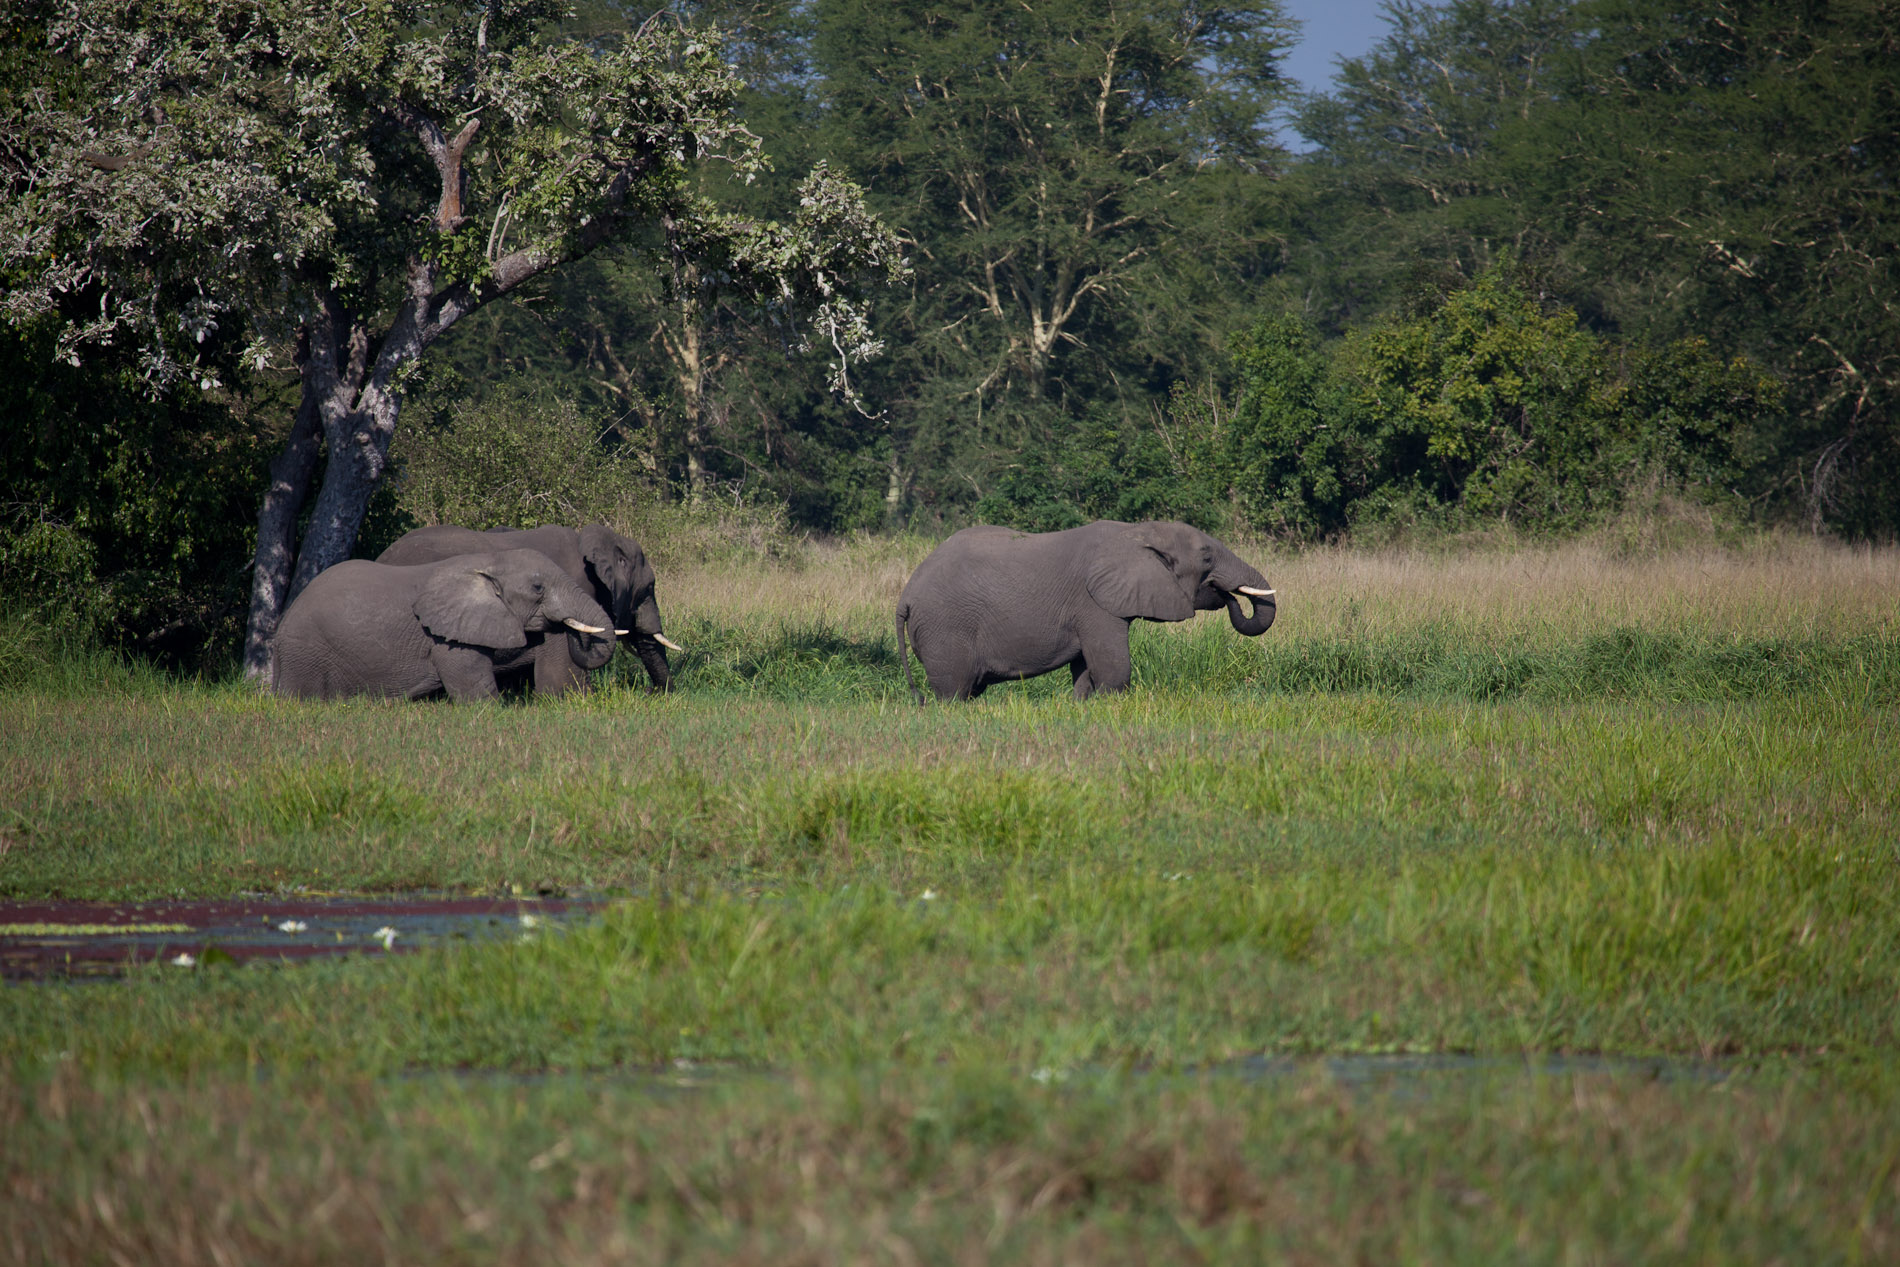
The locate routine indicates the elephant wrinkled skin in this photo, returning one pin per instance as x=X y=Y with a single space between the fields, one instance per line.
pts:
x=363 y=628
x=994 y=605
x=612 y=567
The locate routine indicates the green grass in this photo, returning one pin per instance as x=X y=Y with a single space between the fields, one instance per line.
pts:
x=1404 y=827
x=951 y=1165
x=213 y=791
x=1438 y=659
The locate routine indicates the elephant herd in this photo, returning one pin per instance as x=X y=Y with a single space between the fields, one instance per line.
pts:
x=449 y=610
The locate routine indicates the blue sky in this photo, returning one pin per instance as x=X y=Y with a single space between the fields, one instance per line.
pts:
x=1330 y=29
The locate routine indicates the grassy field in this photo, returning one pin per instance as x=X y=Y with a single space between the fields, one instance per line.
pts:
x=982 y=982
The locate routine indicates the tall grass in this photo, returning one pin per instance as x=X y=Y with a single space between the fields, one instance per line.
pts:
x=1573 y=622
x=1771 y=586
x=961 y=971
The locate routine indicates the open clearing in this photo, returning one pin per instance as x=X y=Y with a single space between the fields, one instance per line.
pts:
x=969 y=983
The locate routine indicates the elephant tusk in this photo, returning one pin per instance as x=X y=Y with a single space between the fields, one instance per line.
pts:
x=621 y=633
x=578 y=627
x=668 y=643
x=1252 y=592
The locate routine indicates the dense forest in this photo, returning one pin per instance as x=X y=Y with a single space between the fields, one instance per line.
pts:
x=1527 y=263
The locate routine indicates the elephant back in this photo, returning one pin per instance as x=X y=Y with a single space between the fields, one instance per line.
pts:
x=438 y=542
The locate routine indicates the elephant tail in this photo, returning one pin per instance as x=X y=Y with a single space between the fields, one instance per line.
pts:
x=903 y=652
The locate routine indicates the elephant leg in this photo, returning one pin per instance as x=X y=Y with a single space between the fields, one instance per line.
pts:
x=555 y=672
x=1106 y=664
x=955 y=680
x=467 y=673
x=957 y=684
x=1079 y=673
x=949 y=662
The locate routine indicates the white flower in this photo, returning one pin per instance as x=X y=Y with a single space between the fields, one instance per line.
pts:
x=385 y=935
x=186 y=961
x=292 y=926
x=531 y=921
x=930 y=895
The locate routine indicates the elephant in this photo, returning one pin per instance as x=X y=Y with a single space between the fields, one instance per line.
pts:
x=994 y=605
x=611 y=566
x=363 y=628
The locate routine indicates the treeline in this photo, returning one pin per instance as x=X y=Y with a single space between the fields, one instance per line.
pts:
x=1535 y=259
x=1536 y=255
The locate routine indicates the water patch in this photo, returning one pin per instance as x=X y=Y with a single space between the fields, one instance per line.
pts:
x=40 y=940
x=1385 y=1071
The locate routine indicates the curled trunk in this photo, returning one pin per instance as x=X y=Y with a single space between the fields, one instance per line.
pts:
x=1252 y=626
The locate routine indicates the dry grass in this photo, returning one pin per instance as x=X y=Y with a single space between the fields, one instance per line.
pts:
x=1779 y=585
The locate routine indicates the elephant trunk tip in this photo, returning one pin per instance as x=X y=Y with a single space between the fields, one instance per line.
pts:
x=1265 y=607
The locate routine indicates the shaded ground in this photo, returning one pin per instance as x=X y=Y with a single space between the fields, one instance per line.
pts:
x=62 y=939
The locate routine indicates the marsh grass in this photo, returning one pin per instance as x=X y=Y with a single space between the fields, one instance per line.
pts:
x=957 y=1164
x=1537 y=801
x=1768 y=947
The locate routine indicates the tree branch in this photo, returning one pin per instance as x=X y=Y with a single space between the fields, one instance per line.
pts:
x=446 y=154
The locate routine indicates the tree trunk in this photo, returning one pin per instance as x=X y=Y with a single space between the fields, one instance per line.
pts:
x=351 y=406
x=894 y=492
x=692 y=380
x=290 y=473
x=359 y=452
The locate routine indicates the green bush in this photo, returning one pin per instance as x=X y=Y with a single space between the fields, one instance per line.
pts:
x=1493 y=407
x=1481 y=407
x=1102 y=466
x=1478 y=409
x=518 y=458
x=125 y=521
x=1282 y=460
x=513 y=459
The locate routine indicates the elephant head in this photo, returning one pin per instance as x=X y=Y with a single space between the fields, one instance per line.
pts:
x=1168 y=571
x=497 y=600
x=623 y=582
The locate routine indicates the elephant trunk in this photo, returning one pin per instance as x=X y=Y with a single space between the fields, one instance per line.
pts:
x=1264 y=609
x=653 y=659
x=590 y=635
x=645 y=635
x=589 y=651
x=646 y=617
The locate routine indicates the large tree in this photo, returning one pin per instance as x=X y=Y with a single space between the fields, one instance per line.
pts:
x=1720 y=170
x=234 y=185
x=1728 y=170
x=1064 y=168
x=1400 y=191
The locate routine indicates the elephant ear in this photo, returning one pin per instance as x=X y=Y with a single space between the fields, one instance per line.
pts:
x=1132 y=578
x=462 y=602
x=603 y=549
x=612 y=562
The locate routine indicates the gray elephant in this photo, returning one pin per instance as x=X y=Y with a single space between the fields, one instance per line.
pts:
x=363 y=628
x=994 y=605
x=614 y=568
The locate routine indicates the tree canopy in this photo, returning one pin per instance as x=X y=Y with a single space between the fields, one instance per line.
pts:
x=233 y=186
x=1538 y=256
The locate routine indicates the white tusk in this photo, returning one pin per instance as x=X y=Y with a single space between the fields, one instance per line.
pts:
x=621 y=633
x=578 y=627
x=1251 y=592
x=667 y=642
